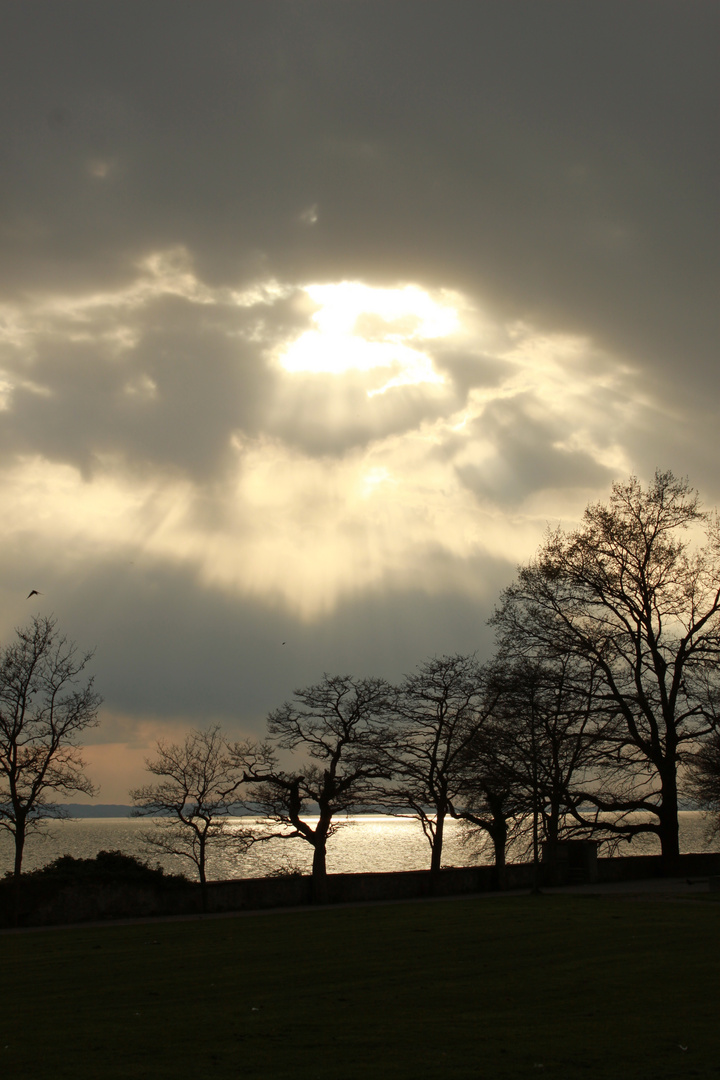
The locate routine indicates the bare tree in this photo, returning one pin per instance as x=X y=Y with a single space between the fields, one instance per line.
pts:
x=491 y=799
x=44 y=706
x=337 y=723
x=555 y=737
x=491 y=806
x=196 y=793
x=437 y=714
x=634 y=593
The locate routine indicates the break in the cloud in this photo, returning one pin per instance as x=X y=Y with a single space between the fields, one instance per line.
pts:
x=298 y=442
x=313 y=315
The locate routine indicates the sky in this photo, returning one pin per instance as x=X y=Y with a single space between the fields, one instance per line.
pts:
x=314 y=314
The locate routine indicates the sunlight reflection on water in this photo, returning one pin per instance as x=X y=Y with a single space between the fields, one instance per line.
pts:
x=368 y=842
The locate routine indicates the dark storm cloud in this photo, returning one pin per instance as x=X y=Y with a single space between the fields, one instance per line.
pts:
x=169 y=401
x=322 y=419
x=559 y=158
x=197 y=653
x=468 y=371
x=526 y=458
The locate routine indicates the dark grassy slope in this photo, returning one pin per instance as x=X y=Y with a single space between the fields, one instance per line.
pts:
x=550 y=986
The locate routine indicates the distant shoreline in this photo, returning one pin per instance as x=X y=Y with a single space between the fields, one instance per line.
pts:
x=105 y=810
x=101 y=810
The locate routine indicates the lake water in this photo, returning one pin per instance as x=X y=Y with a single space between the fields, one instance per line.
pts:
x=369 y=842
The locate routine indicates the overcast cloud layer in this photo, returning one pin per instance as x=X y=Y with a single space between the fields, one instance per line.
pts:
x=230 y=471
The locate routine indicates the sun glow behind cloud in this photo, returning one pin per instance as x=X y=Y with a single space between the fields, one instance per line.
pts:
x=361 y=328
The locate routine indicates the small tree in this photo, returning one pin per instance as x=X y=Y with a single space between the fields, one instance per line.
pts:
x=44 y=707
x=553 y=735
x=492 y=799
x=196 y=793
x=337 y=723
x=437 y=715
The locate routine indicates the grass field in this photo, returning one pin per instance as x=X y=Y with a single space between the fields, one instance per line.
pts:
x=546 y=986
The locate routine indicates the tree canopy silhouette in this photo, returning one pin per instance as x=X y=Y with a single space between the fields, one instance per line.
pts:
x=436 y=717
x=634 y=593
x=336 y=723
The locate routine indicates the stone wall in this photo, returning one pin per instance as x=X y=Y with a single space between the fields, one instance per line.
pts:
x=295 y=891
x=75 y=903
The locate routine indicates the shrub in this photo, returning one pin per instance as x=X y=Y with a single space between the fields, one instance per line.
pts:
x=111 y=885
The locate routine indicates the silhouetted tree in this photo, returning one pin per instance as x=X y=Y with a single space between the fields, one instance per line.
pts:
x=551 y=736
x=44 y=706
x=632 y=598
x=491 y=799
x=704 y=777
x=337 y=723
x=197 y=791
x=436 y=716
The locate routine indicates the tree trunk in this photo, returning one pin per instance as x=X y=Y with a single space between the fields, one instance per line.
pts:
x=203 y=879
x=436 y=857
x=668 y=831
x=536 y=851
x=19 y=846
x=551 y=823
x=499 y=839
x=319 y=871
x=552 y=829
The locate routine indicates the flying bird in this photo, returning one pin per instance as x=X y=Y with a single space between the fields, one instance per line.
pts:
x=33 y=592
